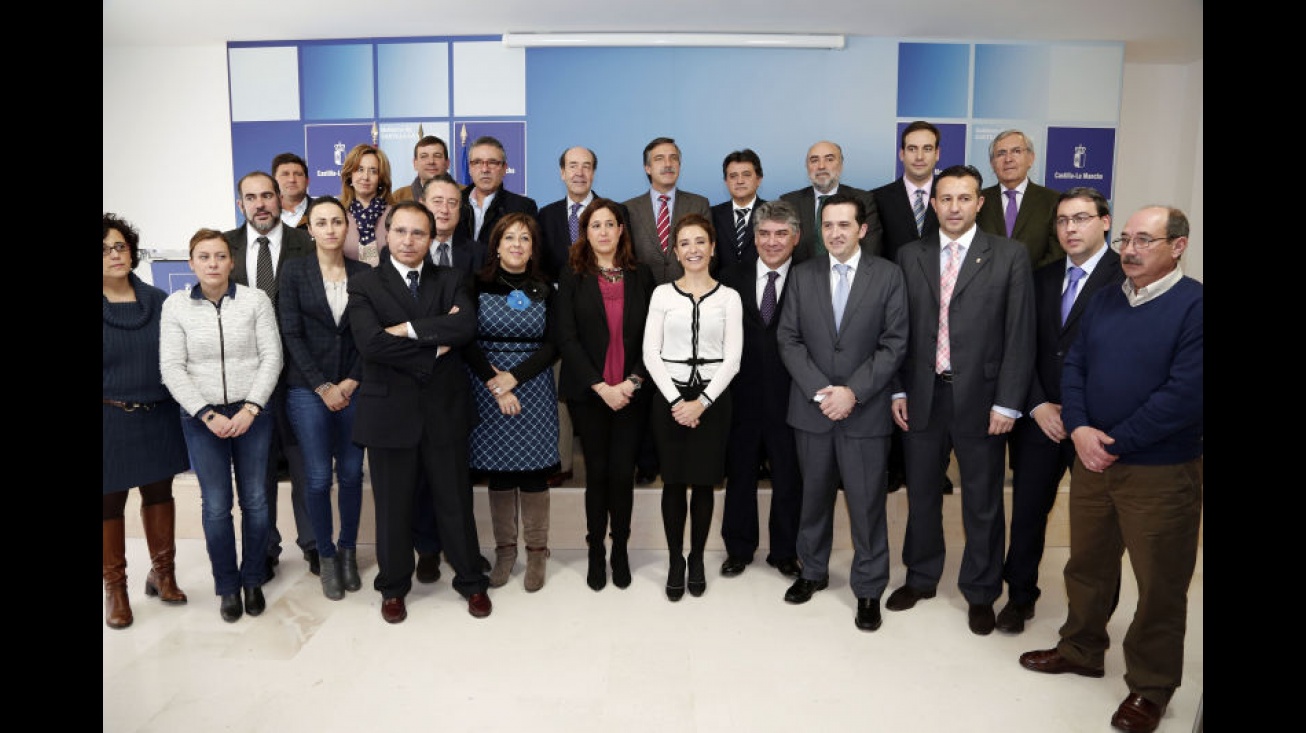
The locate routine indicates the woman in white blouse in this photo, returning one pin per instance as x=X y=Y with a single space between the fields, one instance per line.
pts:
x=692 y=344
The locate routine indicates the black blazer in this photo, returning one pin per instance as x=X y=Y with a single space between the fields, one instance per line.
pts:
x=390 y=409
x=583 y=330
x=804 y=199
x=557 y=236
x=505 y=202
x=294 y=243
x=761 y=389
x=897 y=219
x=317 y=350
x=723 y=220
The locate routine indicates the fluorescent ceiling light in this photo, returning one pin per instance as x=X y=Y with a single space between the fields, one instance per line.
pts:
x=733 y=40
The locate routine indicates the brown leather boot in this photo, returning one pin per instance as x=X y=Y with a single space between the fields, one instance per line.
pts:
x=160 y=522
x=503 y=518
x=535 y=530
x=118 y=611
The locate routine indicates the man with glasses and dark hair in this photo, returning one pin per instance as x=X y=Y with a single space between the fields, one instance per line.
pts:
x=1041 y=449
x=1132 y=390
x=1017 y=207
x=486 y=200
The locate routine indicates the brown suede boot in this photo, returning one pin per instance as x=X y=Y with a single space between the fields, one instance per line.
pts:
x=535 y=529
x=160 y=522
x=118 y=611
x=503 y=517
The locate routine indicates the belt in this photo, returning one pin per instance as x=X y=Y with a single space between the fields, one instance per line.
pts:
x=944 y=376
x=130 y=406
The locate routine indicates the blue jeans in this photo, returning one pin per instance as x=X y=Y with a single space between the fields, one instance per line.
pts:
x=323 y=436
x=213 y=459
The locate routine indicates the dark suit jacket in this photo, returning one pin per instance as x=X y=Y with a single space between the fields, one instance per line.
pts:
x=991 y=319
x=294 y=243
x=761 y=388
x=864 y=355
x=557 y=237
x=583 y=330
x=396 y=369
x=1035 y=225
x=810 y=243
x=317 y=349
x=505 y=202
x=723 y=220
x=468 y=254
x=644 y=231
x=1052 y=339
x=897 y=219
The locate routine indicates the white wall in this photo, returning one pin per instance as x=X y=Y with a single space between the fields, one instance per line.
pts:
x=167 y=143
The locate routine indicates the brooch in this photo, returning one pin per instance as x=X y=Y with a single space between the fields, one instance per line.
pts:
x=518 y=301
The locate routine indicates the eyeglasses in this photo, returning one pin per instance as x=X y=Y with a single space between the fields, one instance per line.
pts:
x=1079 y=219
x=1004 y=152
x=478 y=163
x=1141 y=242
x=119 y=247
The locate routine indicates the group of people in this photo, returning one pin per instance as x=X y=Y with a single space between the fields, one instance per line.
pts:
x=833 y=339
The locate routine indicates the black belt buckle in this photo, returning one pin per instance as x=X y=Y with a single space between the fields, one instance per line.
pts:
x=945 y=377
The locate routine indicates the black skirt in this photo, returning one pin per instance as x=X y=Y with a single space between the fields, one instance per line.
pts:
x=691 y=455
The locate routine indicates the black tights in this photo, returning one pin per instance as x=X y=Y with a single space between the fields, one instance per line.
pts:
x=158 y=492
x=674 y=510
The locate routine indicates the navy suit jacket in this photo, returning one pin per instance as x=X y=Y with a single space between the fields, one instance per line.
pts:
x=723 y=220
x=318 y=350
x=557 y=236
x=505 y=202
x=761 y=388
x=894 y=206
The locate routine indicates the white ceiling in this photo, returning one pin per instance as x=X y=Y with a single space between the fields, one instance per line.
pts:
x=1154 y=31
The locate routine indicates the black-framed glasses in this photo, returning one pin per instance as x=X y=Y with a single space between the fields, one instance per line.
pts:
x=1079 y=219
x=121 y=248
x=1141 y=242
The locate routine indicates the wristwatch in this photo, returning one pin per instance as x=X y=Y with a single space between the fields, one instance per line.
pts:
x=252 y=408
x=636 y=380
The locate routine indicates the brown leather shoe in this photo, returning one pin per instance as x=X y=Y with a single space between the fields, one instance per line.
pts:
x=1050 y=661
x=393 y=610
x=1137 y=714
x=478 y=605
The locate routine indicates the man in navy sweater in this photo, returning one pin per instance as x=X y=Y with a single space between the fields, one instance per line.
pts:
x=1132 y=402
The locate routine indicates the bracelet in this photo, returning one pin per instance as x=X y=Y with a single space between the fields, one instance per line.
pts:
x=322 y=388
x=705 y=397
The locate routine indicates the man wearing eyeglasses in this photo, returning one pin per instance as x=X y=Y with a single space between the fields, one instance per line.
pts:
x=486 y=200
x=1041 y=449
x=1132 y=391
x=1017 y=207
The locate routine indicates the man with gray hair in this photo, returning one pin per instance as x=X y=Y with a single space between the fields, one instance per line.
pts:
x=824 y=168
x=486 y=200
x=1017 y=207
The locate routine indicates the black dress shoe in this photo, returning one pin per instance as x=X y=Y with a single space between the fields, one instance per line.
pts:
x=868 y=614
x=254 y=603
x=788 y=567
x=393 y=610
x=697 y=583
x=230 y=608
x=676 y=579
x=733 y=566
x=906 y=597
x=980 y=618
x=314 y=562
x=802 y=589
x=1013 y=616
x=428 y=568
x=1050 y=661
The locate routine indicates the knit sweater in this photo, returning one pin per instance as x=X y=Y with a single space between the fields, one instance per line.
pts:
x=214 y=354
x=131 y=346
x=1135 y=373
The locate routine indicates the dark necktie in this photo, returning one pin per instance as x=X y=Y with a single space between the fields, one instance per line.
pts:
x=918 y=209
x=819 y=242
x=443 y=249
x=741 y=230
x=412 y=283
x=768 y=298
x=265 y=279
x=664 y=222
x=573 y=222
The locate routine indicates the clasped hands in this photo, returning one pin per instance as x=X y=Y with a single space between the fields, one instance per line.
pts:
x=501 y=386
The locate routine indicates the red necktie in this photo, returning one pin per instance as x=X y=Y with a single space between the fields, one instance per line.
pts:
x=664 y=222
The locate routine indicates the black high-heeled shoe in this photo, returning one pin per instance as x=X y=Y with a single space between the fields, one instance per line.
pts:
x=676 y=579
x=697 y=575
x=231 y=608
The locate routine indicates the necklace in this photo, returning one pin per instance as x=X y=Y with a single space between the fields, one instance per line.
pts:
x=612 y=274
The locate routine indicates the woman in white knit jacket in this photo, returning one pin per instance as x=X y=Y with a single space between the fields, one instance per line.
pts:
x=220 y=356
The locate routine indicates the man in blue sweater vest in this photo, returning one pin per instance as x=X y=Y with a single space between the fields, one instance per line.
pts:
x=1132 y=402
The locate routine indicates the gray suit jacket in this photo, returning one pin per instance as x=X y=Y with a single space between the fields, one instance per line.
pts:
x=294 y=243
x=644 y=231
x=864 y=355
x=809 y=245
x=991 y=319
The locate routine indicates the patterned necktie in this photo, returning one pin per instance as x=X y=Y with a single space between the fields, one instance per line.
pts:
x=664 y=222
x=840 y=293
x=768 y=298
x=573 y=222
x=943 y=353
x=918 y=209
x=1011 y=211
x=266 y=280
x=741 y=230
x=412 y=283
x=1072 y=289
x=443 y=249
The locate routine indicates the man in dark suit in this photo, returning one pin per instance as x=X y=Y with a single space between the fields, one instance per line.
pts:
x=824 y=167
x=260 y=200
x=969 y=362
x=1041 y=450
x=1011 y=153
x=734 y=219
x=410 y=319
x=907 y=215
x=486 y=200
x=653 y=245
x=758 y=427
x=843 y=336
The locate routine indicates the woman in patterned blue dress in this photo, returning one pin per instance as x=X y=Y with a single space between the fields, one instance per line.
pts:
x=516 y=440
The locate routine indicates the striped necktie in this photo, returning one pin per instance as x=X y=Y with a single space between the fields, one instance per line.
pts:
x=918 y=209
x=664 y=222
x=741 y=231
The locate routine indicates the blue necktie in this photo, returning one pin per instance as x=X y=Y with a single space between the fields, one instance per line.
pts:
x=768 y=298
x=840 y=293
x=1072 y=289
x=412 y=283
x=573 y=222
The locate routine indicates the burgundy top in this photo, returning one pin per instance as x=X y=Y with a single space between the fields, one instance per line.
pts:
x=614 y=305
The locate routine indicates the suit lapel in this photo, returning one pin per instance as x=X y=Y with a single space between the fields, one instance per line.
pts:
x=976 y=259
